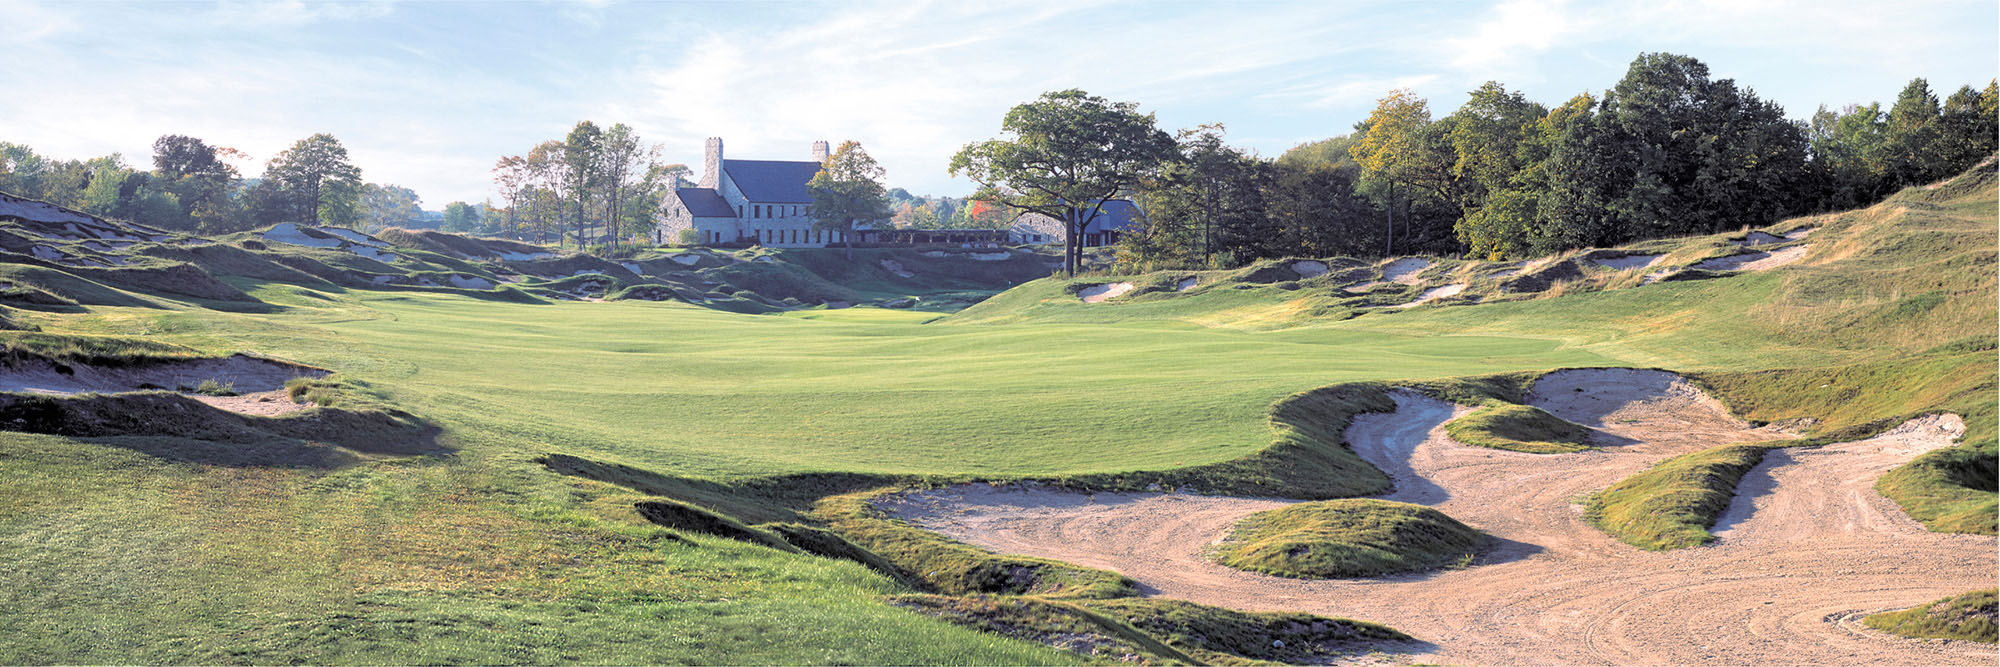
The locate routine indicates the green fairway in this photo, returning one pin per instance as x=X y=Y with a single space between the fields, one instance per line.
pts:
x=685 y=390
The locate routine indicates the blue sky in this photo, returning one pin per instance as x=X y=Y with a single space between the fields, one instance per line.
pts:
x=428 y=94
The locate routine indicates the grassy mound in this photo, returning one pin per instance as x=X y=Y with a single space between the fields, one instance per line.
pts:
x=1519 y=428
x=1970 y=617
x=1310 y=458
x=1160 y=631
x=682 y=516
x=1215 y=635
x=956 y=568
x=1055 y=624
x=1335 y=539
x=1672 y=504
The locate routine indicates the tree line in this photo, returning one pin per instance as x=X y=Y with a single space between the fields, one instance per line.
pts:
x=193 y=186
x=592 y=187
x=1666 y=151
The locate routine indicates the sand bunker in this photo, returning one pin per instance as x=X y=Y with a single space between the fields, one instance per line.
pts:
x=354 y=237
x=896 y=267
x=29 y=209
x=1184 y=285
x=1758 y=238
x=1434 y=294
x=1627 y=262
x=686 y=259
x=1308 y=268
x=1556 y=591
x=471 y=282
x=1099 y=293
x=292 y=234
x=990 y=256
x=1405 y=270
x=529 y=256
x=259 y=383
x=1754 y=261
x=1799 y=233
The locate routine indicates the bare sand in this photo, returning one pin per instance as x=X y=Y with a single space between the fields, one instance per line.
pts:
x=1786 y=584
x=1627 y=262
x=1405 y=270
x=1433 y=294
x=1755 y=261
x=260 y=383
x=1102 y=293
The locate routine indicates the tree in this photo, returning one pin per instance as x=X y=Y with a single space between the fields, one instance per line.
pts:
x=581 y=152
x=1672 y=152
x=1911 y=135
x=1400 y=147
x=460 y=217
x=318 y=181
x=847 y=193
x=389 y=206
x=1069 y=152
x=1207 y=202
x=1965 y=129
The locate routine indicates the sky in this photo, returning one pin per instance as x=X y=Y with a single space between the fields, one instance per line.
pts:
x=428 y=95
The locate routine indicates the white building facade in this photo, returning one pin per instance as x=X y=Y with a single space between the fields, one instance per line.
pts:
x=747 y=202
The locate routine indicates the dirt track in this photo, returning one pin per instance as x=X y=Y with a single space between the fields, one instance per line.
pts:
x=1806 y=550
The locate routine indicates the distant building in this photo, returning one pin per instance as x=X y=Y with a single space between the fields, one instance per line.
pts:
x=1116 y=218
x=762 y=202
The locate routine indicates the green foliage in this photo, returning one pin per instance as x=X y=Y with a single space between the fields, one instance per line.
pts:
x=1337 y=539
x=1519 y=428
x=847 y=192
x=318 y=182
x=1068 y=153
x=1969 y=617
x=1672 y=504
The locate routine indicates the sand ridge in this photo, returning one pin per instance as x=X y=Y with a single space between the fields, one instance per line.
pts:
x=1556 y=591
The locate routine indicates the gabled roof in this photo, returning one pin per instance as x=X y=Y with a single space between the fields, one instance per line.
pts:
x=772 y=181
x=1118 y=214
x=705 y=203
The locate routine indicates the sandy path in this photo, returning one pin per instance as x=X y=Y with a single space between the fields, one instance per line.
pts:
x=1784 y=586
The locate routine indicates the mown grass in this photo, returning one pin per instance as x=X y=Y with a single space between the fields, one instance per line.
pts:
x=1336 y=539
x=1672 y=504
x=1519 y=428
x=1969 y=617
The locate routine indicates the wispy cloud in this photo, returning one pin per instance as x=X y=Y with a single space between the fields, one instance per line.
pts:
x=427 y=95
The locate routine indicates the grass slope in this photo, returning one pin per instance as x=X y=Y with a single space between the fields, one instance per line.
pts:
x=1969 y=617
x=1335 y=539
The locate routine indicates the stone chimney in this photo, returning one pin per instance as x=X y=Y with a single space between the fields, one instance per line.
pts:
x=711 y=167
x=819 y=151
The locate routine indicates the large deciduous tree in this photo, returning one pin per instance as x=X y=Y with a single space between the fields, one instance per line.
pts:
x=318 y=180
x=582 y=151
x=847 y=193
x=1068 y=152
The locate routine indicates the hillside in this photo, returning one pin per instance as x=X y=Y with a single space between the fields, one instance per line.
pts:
x=444 y=449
